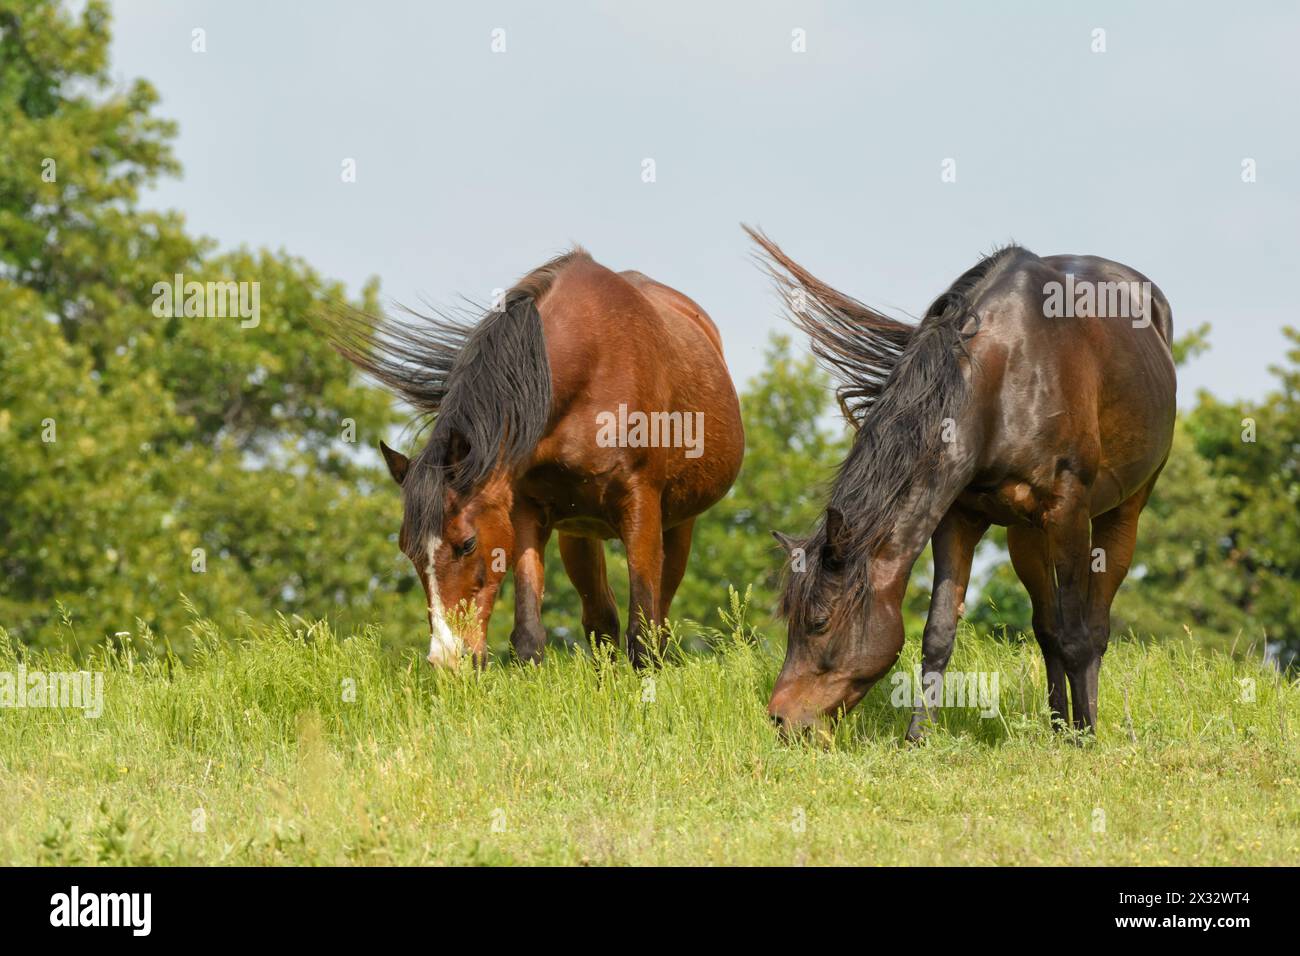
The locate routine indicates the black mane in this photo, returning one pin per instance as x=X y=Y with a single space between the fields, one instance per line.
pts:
x=486 y=387
x=904 y=392
x=856 y=344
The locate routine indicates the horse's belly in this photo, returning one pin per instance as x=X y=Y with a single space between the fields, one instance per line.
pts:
x=1010 y=502
x=583 y=526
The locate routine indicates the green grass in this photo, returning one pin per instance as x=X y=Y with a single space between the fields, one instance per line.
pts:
x=250 y=754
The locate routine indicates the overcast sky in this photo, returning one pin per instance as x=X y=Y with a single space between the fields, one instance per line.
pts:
x=474 y=166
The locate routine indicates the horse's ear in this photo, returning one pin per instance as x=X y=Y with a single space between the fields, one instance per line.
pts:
x=834 y=533
x=787 y=543
x=396 y=461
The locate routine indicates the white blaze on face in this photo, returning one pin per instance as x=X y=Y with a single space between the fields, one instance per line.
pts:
x=445 y=647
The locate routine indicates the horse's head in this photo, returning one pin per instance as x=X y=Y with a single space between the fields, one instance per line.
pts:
x=840 y=636
x=461 y=545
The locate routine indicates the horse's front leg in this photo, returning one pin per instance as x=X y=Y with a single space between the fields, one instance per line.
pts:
x=953 y=543
x=642 y=534
x=1069 y=555
x=529 y=637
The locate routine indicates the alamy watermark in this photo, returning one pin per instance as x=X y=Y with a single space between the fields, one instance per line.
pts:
x=80 y=689
x=972 y=689
x=637 y=429
x=209 y=300
x=1084 y=298
x=133 y=911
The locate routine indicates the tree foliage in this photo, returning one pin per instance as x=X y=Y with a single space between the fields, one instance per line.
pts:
x=128 y=441
x=152 y=465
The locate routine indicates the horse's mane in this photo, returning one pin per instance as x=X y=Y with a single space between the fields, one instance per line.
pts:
x=856 y=344
x=898 y=385
x=484 y=387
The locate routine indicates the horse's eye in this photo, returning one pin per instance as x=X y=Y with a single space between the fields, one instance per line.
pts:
x=466 y=547
x=818 y=624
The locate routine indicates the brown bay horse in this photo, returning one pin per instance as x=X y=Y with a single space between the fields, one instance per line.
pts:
x=593 y=404
x=1036 y=393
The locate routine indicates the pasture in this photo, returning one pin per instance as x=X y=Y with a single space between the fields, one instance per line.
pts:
x=286 y=743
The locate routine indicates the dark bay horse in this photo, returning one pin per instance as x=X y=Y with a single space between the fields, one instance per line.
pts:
x=591 y=403
x=1035 y=393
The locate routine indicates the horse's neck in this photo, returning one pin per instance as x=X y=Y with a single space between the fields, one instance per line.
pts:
x=922 y=510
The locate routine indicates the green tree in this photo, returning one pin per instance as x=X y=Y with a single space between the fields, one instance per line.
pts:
x=1253 y=452
x=128 y=439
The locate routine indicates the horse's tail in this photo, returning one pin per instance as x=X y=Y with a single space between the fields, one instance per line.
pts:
x=858 y=345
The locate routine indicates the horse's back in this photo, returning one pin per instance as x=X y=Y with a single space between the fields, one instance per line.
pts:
x=622 y=341
x=1082 y=316
x=1123 y=336
x=589 y=296
x=1100 y=270
x=672 y=304
x=1097 y=387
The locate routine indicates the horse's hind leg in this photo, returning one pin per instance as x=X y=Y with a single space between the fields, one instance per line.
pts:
x=642 y=533
x=677 y=552
x=1114 y=538
x=584 y=561
x=1067 y=530
x=953 y=544
x=1028 y=549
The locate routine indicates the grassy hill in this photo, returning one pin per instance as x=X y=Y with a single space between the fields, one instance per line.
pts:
x=288 y=745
